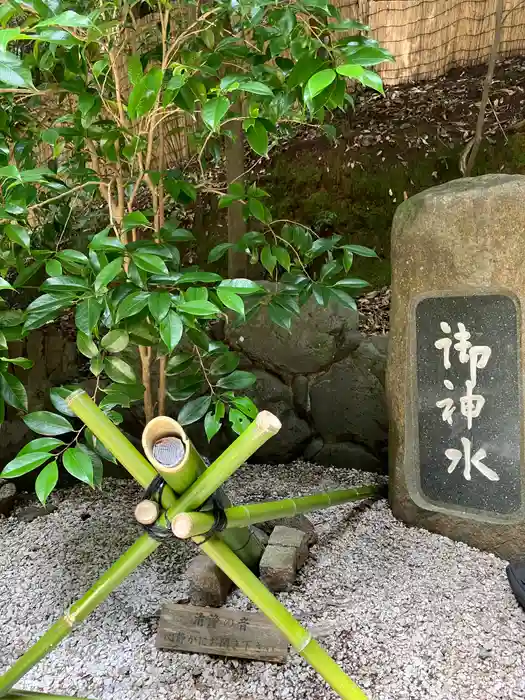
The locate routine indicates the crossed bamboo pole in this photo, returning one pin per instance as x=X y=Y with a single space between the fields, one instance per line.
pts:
x=196 y=492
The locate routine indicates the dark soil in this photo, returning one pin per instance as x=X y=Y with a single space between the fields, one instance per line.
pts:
x=391 y=148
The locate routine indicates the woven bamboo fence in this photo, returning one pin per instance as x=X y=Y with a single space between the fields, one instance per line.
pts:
x=429 y=37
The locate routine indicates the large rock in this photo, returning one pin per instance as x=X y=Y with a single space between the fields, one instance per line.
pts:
x=348 y=455
x=348 y=405
x=271 y=394
x=462 y=238
x=317 y=337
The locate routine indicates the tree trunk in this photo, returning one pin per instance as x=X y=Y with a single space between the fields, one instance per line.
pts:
x=234 y=156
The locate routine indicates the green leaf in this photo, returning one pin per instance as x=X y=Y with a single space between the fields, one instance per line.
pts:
x=18 y=234
x=225 y=364
x=280 y=316
x=103 y=241
x=319 y=82
x=22 y=464
x=4 y=284
x=198 y=308
x=65 y=283
x=238 y=421
x=352 y=282
x=361 y=250
x=171 y=328
x=199 y=276
x=372 y=80
x=58 y=396
x=108 y=273
x=350 y=70
x=257 y=209
x=268 y=259
x=47 y=423
x=231 y=300
x=12 y=71
x=211 y=426
x=134 y=69
x=348 y=259
x=134 y=219
x=13 y=391
x=119 y=371
x=344 y=298
x=237 y=380
x=79 y=465
x=87 y=315
x=150 y=263
x=214 y=111
x=218 y=251
x=242 y=286
x=144 y=94
x=246 y=405
x=96 y=365
x=256 y=88
x=53 y=268
x=40 y=445
x=132 y=304
x=19 y=361
x=69 y=18
x=194 y=410
x=115 y=341
x=257 y=137
x=73 y=259
x=344 y=24
x=179 y=363
x=86 y=345
x=171 y=233
x=305 y=67
x=46 y=481
x=159 y=304
x=282 y=256
x=366 y=55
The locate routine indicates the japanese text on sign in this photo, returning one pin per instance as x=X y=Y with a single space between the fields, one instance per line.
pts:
x=476 y=357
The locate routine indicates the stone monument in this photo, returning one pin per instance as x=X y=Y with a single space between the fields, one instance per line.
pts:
x=456 y=357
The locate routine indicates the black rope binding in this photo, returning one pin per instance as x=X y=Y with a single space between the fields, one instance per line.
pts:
x=219 y=519
x=154 y=493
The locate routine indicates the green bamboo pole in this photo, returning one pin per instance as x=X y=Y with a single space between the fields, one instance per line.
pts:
x=79 y=611
x=186 y=525
x=256 y=434
x=299 y=637
x=110 y=436
x=32 y=695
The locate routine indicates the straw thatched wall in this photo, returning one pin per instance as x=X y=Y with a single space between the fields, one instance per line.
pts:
x=429 y=37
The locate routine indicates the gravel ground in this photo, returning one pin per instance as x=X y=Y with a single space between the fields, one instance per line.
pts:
x=408 y=614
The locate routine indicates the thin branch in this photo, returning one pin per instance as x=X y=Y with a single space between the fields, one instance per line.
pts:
x=64 y=194
x=478 y=136
x=162 y=386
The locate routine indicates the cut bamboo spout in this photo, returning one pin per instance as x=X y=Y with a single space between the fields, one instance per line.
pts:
x=169 y=449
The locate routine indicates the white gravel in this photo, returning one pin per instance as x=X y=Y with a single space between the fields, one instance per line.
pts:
x=408 y=614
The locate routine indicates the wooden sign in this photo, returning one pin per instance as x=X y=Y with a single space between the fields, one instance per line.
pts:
x=246 y=635
x=469 y=402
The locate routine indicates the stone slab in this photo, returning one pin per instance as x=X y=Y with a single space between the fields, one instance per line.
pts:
x=278 y=567
x=460 y=239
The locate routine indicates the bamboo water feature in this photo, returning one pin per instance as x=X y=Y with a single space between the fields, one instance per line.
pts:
x=178 y=485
